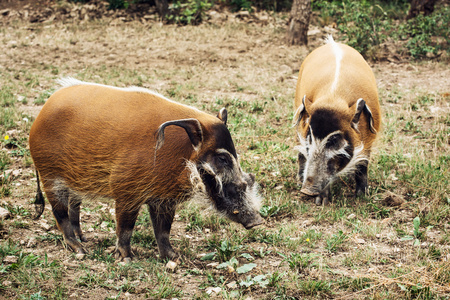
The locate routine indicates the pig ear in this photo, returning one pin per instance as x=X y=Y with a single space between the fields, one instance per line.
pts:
x=223 y=115
x=193 y=129
x=300 y=112
x=361 y=106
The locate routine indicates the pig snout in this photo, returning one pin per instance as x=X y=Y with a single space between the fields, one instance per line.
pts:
x=308 y=192
x=309 y=187
x=257 y=220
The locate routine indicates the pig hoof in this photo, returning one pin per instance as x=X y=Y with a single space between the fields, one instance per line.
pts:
x=124 y=260
x=76 y=248
x=122 y=255
x=318 y=201
x=80 y=256
x=322 y=201
x=168 y=255
x=81 y=251
x=127 y=260
x=171 y=266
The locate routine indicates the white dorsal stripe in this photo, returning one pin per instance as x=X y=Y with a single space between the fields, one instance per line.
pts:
x=70 y=81
x=338 y=53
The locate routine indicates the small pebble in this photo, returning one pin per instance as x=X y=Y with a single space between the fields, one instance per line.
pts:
x=213 y=290
x=213 y=264
x=230 y=270
x=4 y=213
x=232 y=285
x=10 y=259
x=127 y=260
x=32 y=243
x=171 y=266
x=6 y=283
x=80 y=256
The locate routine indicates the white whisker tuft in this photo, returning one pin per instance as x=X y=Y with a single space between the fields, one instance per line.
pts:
x=252 y=197
x=358 y=157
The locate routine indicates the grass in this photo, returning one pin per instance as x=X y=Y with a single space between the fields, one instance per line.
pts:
x=353 y=248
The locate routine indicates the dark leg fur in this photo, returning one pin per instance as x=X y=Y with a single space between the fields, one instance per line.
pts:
x=58 y=196
x=125 y=221
x=74 y=215
x=162 y=218
x=361 y=180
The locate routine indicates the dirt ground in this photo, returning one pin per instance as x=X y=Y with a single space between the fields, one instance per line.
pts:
x=254 y=54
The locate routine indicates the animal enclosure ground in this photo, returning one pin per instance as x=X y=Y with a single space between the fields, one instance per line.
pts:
x=394 y=243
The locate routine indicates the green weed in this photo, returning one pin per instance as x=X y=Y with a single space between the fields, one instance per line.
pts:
x=314 y=287
x=144 y=238
x=99 y=253
x=225 y=249
x=43 y=97
x=188 y=11
x=335 y=242
x=354 y=284
x=301 y=261
x=5 y=184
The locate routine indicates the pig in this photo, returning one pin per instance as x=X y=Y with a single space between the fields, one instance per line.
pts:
x=137 y=147
x=337 y=119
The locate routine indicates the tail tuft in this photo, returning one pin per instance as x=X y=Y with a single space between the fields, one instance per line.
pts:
x=39 y=203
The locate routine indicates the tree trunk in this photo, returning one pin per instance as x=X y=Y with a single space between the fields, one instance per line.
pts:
x=418 y=6
x=297 y=33
x=162 y=6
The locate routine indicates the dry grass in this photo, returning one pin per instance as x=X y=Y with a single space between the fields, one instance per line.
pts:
x=354 y=248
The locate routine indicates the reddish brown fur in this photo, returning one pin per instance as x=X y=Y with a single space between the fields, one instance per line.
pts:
x=336 y=95
x=97 y=140
x=124 y=145
x=356 y=80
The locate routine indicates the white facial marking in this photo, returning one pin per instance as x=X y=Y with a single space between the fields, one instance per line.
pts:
x=317 y=147
x=251 y=198
x=357 y=158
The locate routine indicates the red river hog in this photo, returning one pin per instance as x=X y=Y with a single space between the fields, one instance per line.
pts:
x=136 y=147
x=337 y=116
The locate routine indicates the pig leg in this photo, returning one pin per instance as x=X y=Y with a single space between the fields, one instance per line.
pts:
x=301 y=167
x=162 y=218
x=324 y=197
x=125 y=221
x=74 y=215
x=361 y=179
x=58 y=196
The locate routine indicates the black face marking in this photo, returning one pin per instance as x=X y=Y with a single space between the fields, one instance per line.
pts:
x=323 y=122
x=340 y=161
x=225 y=196
x=223 y=161
x=335 y=141
x=223 y=139
x=308 y=135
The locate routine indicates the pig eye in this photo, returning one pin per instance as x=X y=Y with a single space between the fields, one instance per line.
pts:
x=223 y=160
x=333 y=141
